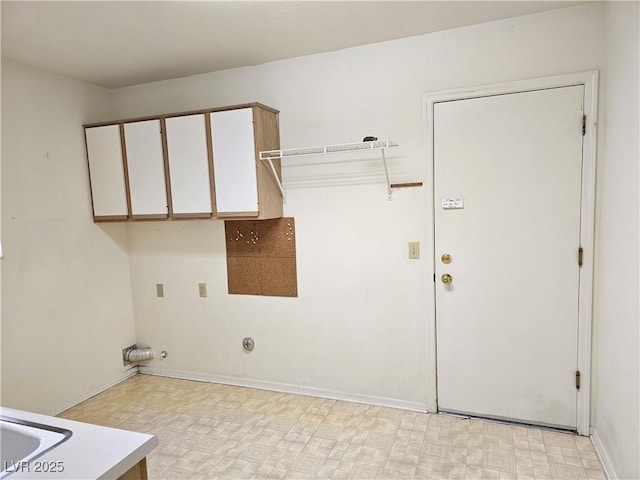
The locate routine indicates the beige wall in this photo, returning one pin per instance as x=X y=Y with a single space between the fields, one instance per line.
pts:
x=66 y=296
x=616 y=401
x=359 y=328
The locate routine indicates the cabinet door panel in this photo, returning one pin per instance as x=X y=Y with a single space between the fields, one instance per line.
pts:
x=188 y=165
x=104 y=152
x=234 y=162
x=145 y=162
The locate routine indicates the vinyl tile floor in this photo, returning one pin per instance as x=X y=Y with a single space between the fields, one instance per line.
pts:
x=213 y=431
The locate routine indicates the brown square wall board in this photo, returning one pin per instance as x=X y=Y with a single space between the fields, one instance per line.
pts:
x=244 y=276
x=279 y=276
x=261 y=257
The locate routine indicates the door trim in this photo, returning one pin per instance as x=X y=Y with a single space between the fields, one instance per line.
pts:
x=589 y=80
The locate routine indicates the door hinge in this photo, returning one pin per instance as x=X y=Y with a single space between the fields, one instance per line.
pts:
x=577 y=379
x=580 y=256
x=584 y=125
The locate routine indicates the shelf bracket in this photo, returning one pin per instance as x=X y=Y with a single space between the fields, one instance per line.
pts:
x=386 y=172
x=276 y=178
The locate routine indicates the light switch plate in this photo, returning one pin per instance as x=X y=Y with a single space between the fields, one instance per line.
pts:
x=160 y=289
x=414 y=250
x=202 y=289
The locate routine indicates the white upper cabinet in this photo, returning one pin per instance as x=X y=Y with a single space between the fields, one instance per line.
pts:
x=145 y=164
x=198 y=164
x=106 y=170
x=189 y=166
x=234 y=162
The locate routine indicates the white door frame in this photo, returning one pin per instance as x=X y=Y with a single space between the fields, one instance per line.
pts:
x=587 y=217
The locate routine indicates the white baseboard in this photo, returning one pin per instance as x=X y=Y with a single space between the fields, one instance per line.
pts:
x=607 y=466
x=286 y=388
x=114 y=380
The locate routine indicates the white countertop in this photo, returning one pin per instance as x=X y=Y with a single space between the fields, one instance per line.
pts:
x=92 y=452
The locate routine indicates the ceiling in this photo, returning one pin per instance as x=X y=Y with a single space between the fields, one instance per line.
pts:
x=120 y=43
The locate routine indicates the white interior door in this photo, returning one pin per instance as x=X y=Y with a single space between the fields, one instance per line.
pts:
x=507 y=179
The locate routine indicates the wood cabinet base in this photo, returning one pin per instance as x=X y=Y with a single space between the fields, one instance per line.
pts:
x=137 y=472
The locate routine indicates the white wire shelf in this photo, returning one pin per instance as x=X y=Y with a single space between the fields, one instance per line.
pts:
x=270 y=155
x=345 y=147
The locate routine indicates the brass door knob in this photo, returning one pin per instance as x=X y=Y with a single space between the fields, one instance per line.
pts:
x=446 y=258
x=446 y=279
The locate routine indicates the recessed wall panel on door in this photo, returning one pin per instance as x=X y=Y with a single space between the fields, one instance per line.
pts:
x=145 y=161
x=106 y=170
x=189 y=166
x=234 y=162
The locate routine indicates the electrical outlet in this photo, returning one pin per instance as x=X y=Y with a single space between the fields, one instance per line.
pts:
x=414 y=250
x=202 y=289
x=159 y=289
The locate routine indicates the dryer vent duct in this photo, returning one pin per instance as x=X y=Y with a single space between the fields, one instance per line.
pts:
x=133 y=354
